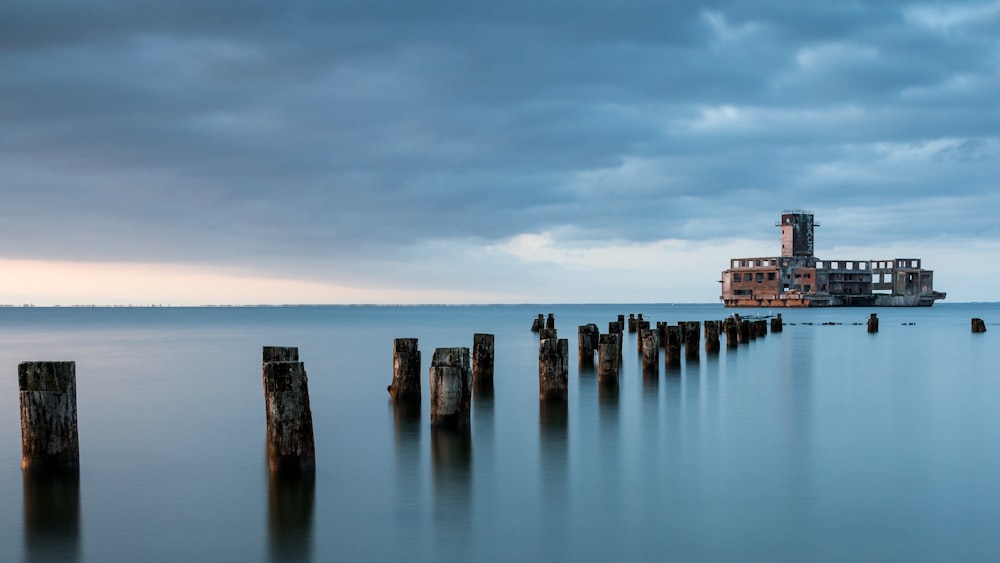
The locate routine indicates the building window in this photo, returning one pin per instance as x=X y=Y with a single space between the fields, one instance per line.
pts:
x=770 y=276
x=760 y=277
x=736 y=278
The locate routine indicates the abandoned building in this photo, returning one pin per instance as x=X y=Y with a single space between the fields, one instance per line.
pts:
x=797 y=278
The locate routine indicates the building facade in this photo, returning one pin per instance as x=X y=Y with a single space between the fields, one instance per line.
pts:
x=797 y=278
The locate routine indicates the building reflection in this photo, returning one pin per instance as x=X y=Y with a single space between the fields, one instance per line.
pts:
x=52 y=515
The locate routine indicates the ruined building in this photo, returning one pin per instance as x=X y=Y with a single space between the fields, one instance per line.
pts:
x=798 y=279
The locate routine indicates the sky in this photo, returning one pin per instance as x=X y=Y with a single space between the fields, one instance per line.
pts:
x=557 y=151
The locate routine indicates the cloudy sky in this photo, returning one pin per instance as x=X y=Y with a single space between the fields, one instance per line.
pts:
x=406 y=151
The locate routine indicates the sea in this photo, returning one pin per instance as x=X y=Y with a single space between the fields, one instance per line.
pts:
x=819 y=443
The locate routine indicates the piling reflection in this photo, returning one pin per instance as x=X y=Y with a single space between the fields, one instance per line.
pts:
x=52 y=515
x=290 y=516
x=451 y=460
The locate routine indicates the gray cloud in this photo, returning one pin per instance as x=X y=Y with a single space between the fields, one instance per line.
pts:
x=254 y=133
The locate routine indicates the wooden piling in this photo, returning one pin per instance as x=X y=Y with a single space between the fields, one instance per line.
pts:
x=451 y=388
x=746 y=331
x=587 y=342
x=732 y=333
x=650 y=350
x=548 y=334
x=672 y=348
x=405 y=386
x=49 y=435
x=621 y=323
x=631 y=323
x=978 y=325
x=482 y=361
x=538 y=324
x=607 y=358
x=692 y=339
x=712 y=345
x=873 y=323
x=777 y=325
x=616 y=328
x=553 y=369
x=551 y=321
x=291 y=449
x=639 y=327
x=760 y=328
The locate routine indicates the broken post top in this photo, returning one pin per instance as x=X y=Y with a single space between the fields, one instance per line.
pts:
x=450 y=357
x=46 y=376
x=280 y=354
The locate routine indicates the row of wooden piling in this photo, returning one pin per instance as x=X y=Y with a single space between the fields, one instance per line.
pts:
x=47 y=390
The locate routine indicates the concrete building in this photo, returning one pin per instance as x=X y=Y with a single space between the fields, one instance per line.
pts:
x=797 y=278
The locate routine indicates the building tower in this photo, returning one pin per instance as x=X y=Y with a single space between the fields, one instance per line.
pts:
x=797 y=233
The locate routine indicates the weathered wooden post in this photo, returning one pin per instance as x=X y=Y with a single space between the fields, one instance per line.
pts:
x=621 y=323
x=587 y=339
x=692 y=340
x=553 y=369
x=640 y=326
x=873 y=323
x=616 y=328
x=661 y=333
x=631 y=322
x=777 y=325
x=405 y=386
x=538 y=324
x=760 y=328
x=49 y=435
x=650 y=350
x=672 y=348
x=482 y=361
x=290 y=446
x=551 y=321
x=978 y=325
x=548 y=334
x=712 y=345
x=746 y=331
x=732 y=333
x=451 y=388
x=607 y=358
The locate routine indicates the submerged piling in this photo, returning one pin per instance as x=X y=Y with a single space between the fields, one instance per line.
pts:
x=873 y=323
x=712 y=345
x=405 y=386
x=451 y=388
x=640 y=326
x=672 y=347
x=587 y=342
x=49 y=434
x=650 y=350
x=692 y=339
x=551 y=321
x=290 y=446
x=538 y=324
x=631 y=322
x=732 y=329
x=616 y=328
x=607 y=358
x=482 y=361
x=777 y=325
x=978 y=325
x=746 y=331
x=553 y=369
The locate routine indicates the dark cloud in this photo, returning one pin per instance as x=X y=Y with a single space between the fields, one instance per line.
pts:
x=333 y=132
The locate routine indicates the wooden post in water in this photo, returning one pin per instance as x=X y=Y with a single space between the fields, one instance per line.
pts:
x=777 y=325
x=732 y=333
x=538 y=324
x=553 y=369
x=978 y=325
x=650 y=351
x=672 y=348
x=760 y=328
x=451 y=388
x=692 y=340
x=49 y=436
x=551 y=321
x=639 y=327
x=615 y=328
x=746 y=331
x=405 y=386
x=712 y=345
x=631 y=322
x=607 y=358
x=873 y=323
x=290 y=446
x=621 y=323
x=482 y=361
x=547 y=334
x=587 y=341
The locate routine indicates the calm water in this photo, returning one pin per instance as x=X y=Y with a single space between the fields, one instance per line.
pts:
x=822 y=443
